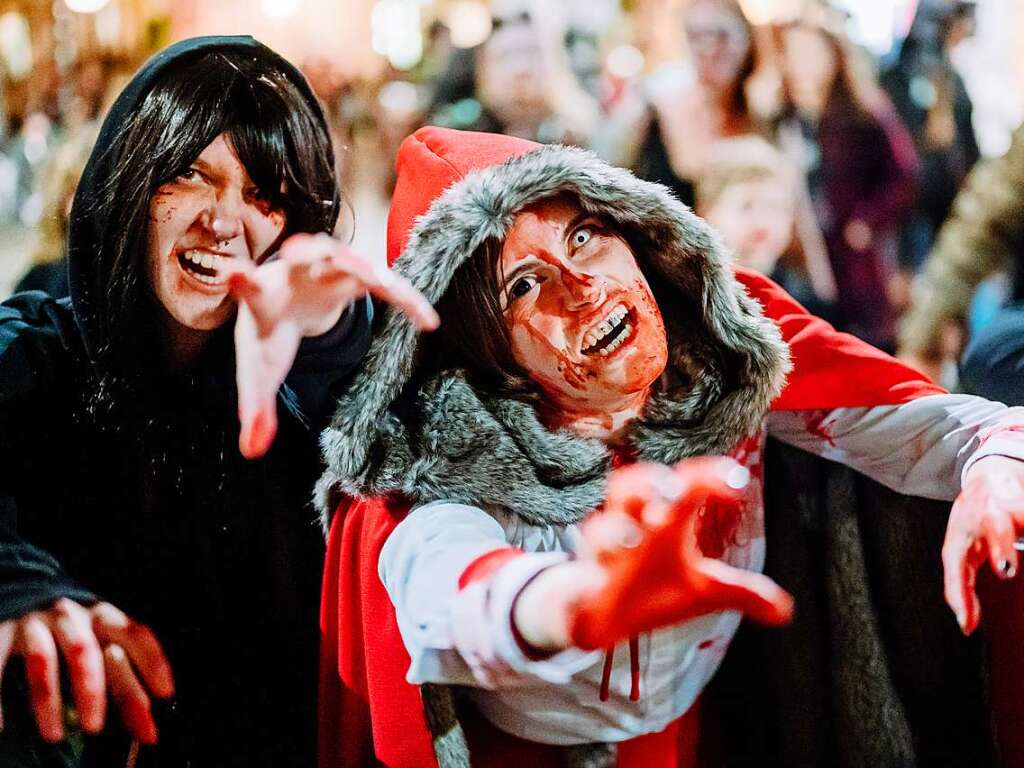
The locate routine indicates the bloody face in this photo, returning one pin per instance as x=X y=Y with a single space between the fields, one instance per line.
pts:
x=581 y=316
x=198 y=222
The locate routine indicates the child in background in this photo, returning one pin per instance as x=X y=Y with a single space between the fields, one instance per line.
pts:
x=749 y=193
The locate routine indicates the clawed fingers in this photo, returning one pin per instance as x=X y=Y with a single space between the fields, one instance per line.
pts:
x=754 y=594
x=139 y=643
x=332 y=261
x=999 y=535
x=960 y=560
x=610 y=531
x=395 y=289
x=129 y=695
x=72 y=630
x=39 y=650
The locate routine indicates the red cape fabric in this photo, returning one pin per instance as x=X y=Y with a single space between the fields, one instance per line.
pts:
x=368 y=710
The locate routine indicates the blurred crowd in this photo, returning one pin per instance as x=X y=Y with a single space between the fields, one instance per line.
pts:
x=854 y=181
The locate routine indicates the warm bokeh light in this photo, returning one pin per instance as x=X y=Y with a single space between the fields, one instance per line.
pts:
x=625 y=61
x=396 y=32
x=469 y=22
x=15 y=44
x=279 y=9
x=85 y=6
x=771 y=11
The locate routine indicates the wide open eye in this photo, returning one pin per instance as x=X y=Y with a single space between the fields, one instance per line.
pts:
x=582 y=236
x=521 y=287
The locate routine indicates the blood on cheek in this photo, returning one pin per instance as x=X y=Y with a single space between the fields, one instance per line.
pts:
x=574 y=374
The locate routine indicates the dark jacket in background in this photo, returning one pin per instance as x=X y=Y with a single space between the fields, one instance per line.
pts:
x=144 y=501
x=51 y=279
x=865 y=171
x=923 y=85
x=873 y=671
x=984 y=233
x=993 y=367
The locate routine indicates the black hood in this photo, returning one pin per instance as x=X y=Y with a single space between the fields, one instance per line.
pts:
x=86 y=230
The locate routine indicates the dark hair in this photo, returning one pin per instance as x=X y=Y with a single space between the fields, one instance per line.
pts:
x=475 y=337
x=854 y=94
x=278 y=137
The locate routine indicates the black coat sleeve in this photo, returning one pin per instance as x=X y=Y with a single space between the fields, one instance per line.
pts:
x=33 y=357
x=993 y=365
x=324 y=363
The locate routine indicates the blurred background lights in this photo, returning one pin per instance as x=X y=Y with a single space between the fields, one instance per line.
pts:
x=279 y=9
x=15 y=44
x=399 y=98
x=873 y=24
x=625 y=62
x=85 y=6
x=761 y=12
x=469 y=22
x=397 y=33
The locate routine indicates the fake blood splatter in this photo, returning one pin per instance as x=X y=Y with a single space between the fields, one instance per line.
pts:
x=814 y=421
x=720 y=526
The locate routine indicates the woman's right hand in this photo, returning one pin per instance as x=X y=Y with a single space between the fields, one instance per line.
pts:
x=104 y=651
x=642 y=568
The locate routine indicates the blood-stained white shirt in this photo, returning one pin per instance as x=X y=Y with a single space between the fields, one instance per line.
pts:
x=465 y=636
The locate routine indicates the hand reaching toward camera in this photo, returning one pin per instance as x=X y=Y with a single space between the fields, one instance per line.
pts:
x=983 y=525
x=302 y=293
x=642 y=569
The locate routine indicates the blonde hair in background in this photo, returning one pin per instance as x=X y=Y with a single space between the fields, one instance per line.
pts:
x=57 y=187
x=741 y=159
x=752 y=158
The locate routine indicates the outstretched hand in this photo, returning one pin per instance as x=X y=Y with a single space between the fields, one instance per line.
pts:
x=642 y=569
x=303 y=293
x=982 y=526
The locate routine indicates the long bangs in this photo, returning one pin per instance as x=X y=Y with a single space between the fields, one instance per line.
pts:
x=285 y=150
x=278 y=139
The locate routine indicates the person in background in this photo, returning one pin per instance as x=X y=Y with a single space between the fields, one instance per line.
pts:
x=931 y=99
x=48 y=270
x=861 y=168
x=157 y=555
x=671 y=134
x=749 y=193
x=518 y=82
x=984 y=234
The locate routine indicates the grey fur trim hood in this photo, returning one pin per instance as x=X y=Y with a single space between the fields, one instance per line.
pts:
x=455 y=191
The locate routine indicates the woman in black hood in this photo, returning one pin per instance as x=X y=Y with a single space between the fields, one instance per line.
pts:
x=120 y=482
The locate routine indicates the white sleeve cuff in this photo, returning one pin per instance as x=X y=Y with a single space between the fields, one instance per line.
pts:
x=1008 y=442
x=482 y=629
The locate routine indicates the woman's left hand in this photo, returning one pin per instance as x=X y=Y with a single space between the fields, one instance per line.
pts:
x=982 y=526
x=302 y=293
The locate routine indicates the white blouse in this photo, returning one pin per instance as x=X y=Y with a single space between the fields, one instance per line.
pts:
x=465 y=637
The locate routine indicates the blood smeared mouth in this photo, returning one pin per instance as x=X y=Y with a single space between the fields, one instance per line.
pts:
x=611 y=333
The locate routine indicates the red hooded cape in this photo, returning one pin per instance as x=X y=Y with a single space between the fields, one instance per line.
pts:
x=369 y=714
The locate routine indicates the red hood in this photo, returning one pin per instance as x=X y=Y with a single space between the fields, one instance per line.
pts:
x=433 y=159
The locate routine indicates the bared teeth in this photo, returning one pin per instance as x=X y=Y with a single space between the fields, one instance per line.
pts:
x=594 y=336
x=617 y=342
x=203 y=260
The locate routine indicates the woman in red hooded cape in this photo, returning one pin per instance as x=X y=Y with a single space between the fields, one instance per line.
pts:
x=456 y=480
